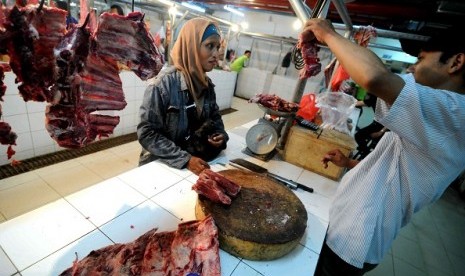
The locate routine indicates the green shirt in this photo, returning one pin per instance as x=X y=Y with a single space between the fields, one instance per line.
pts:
x=238 y=64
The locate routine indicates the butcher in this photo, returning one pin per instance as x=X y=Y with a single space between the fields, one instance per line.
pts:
x=180 y=124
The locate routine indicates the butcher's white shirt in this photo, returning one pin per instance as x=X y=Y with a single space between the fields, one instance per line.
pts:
x=410 y=167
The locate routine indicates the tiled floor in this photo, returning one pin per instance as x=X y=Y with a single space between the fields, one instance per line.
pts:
x=433 y=244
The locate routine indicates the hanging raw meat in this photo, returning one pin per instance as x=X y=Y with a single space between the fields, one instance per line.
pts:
x=193 y=249
x=73 y=125
x=126 y=39
x=74 y=70
x=7 y=137
x=364 y=35
x=309 y=50
x=33 y=33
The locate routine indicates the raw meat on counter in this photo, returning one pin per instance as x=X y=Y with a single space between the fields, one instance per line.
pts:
x=192 y=248
x=216 y=187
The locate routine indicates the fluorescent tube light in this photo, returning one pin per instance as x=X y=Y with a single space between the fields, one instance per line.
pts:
x=194 y=7
x=233 y=10
x=166 y=2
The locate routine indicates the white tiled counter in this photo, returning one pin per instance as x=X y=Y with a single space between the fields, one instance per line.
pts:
x=46 y=241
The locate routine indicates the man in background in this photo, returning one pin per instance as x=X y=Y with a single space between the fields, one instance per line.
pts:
x=69 y=18
x=241 y=61
x=116 y=9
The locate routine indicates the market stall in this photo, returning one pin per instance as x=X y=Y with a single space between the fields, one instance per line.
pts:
x=155 y=196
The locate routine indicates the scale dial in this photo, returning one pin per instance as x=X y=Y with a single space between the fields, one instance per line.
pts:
x=261 y=138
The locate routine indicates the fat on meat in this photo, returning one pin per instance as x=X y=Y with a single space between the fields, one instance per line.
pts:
x=126 y=39
x=193 y=247
x=211 y=190
x=33 y=33
x=229 y=186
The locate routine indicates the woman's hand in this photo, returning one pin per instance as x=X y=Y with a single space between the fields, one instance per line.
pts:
x=197 y=165
x=216 y=140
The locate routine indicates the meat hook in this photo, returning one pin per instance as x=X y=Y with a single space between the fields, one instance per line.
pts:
x=41 y=5
x=85 y=21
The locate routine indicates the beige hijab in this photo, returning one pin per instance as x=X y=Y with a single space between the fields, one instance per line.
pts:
x=185 y=57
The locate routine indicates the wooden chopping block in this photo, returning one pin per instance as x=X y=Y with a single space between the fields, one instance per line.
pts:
x=264 y=222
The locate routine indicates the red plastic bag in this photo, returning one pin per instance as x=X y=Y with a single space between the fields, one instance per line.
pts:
x=307 y=107
x=340 y=75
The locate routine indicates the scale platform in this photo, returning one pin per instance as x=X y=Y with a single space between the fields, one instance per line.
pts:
x=262 y=139
x=264 y=157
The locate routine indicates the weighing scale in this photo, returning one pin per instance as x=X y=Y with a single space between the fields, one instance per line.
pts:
x=263 y=138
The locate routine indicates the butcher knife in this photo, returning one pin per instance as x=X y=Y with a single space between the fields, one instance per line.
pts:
x=244 y=164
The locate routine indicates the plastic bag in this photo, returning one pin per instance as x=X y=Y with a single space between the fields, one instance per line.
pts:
x=339 y=76
x=335 y=109
x=307 y=107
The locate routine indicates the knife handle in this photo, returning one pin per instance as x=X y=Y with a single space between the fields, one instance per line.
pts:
x=291 y=184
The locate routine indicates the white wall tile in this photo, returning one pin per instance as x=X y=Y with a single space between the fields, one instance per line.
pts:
x=19 y=123
x=42 y=138
x=33 y=107
x=38 y=151
x=24 y=142
x=127 y=78
x=36 y=121
x=13 y=105
x=11 y=86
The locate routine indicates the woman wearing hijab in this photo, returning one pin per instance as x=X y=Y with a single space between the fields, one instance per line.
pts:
x=180 y=123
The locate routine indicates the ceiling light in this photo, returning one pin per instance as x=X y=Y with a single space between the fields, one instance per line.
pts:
x=194 y=7
x=297 y=24
x=166 y=2
x=234 y=28
x=233 y=10
x=173 y=11
x=244 y=25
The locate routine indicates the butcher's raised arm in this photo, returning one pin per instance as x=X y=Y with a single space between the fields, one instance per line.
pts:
x=363 y=66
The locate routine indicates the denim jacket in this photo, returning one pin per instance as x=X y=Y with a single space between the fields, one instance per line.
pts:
x=164 y=123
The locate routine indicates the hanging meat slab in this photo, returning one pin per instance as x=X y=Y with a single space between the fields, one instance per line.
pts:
x=127 y=40
x=193 y=248
x=309 y=50
x=7 y=137
x=33 y=34
x=71 y=122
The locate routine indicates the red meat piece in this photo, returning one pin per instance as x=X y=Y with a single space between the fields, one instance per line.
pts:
x=194 y=247
x=230 y=187
x=210 y=189
x=127 y=40
x=33 y=34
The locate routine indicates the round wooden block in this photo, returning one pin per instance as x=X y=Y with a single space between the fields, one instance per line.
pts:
x=264 y=222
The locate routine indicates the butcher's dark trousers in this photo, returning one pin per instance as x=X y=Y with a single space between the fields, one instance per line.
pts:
x=329 y=264
x=362 y=137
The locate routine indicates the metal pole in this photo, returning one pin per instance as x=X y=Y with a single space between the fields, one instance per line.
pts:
x=303 y=15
